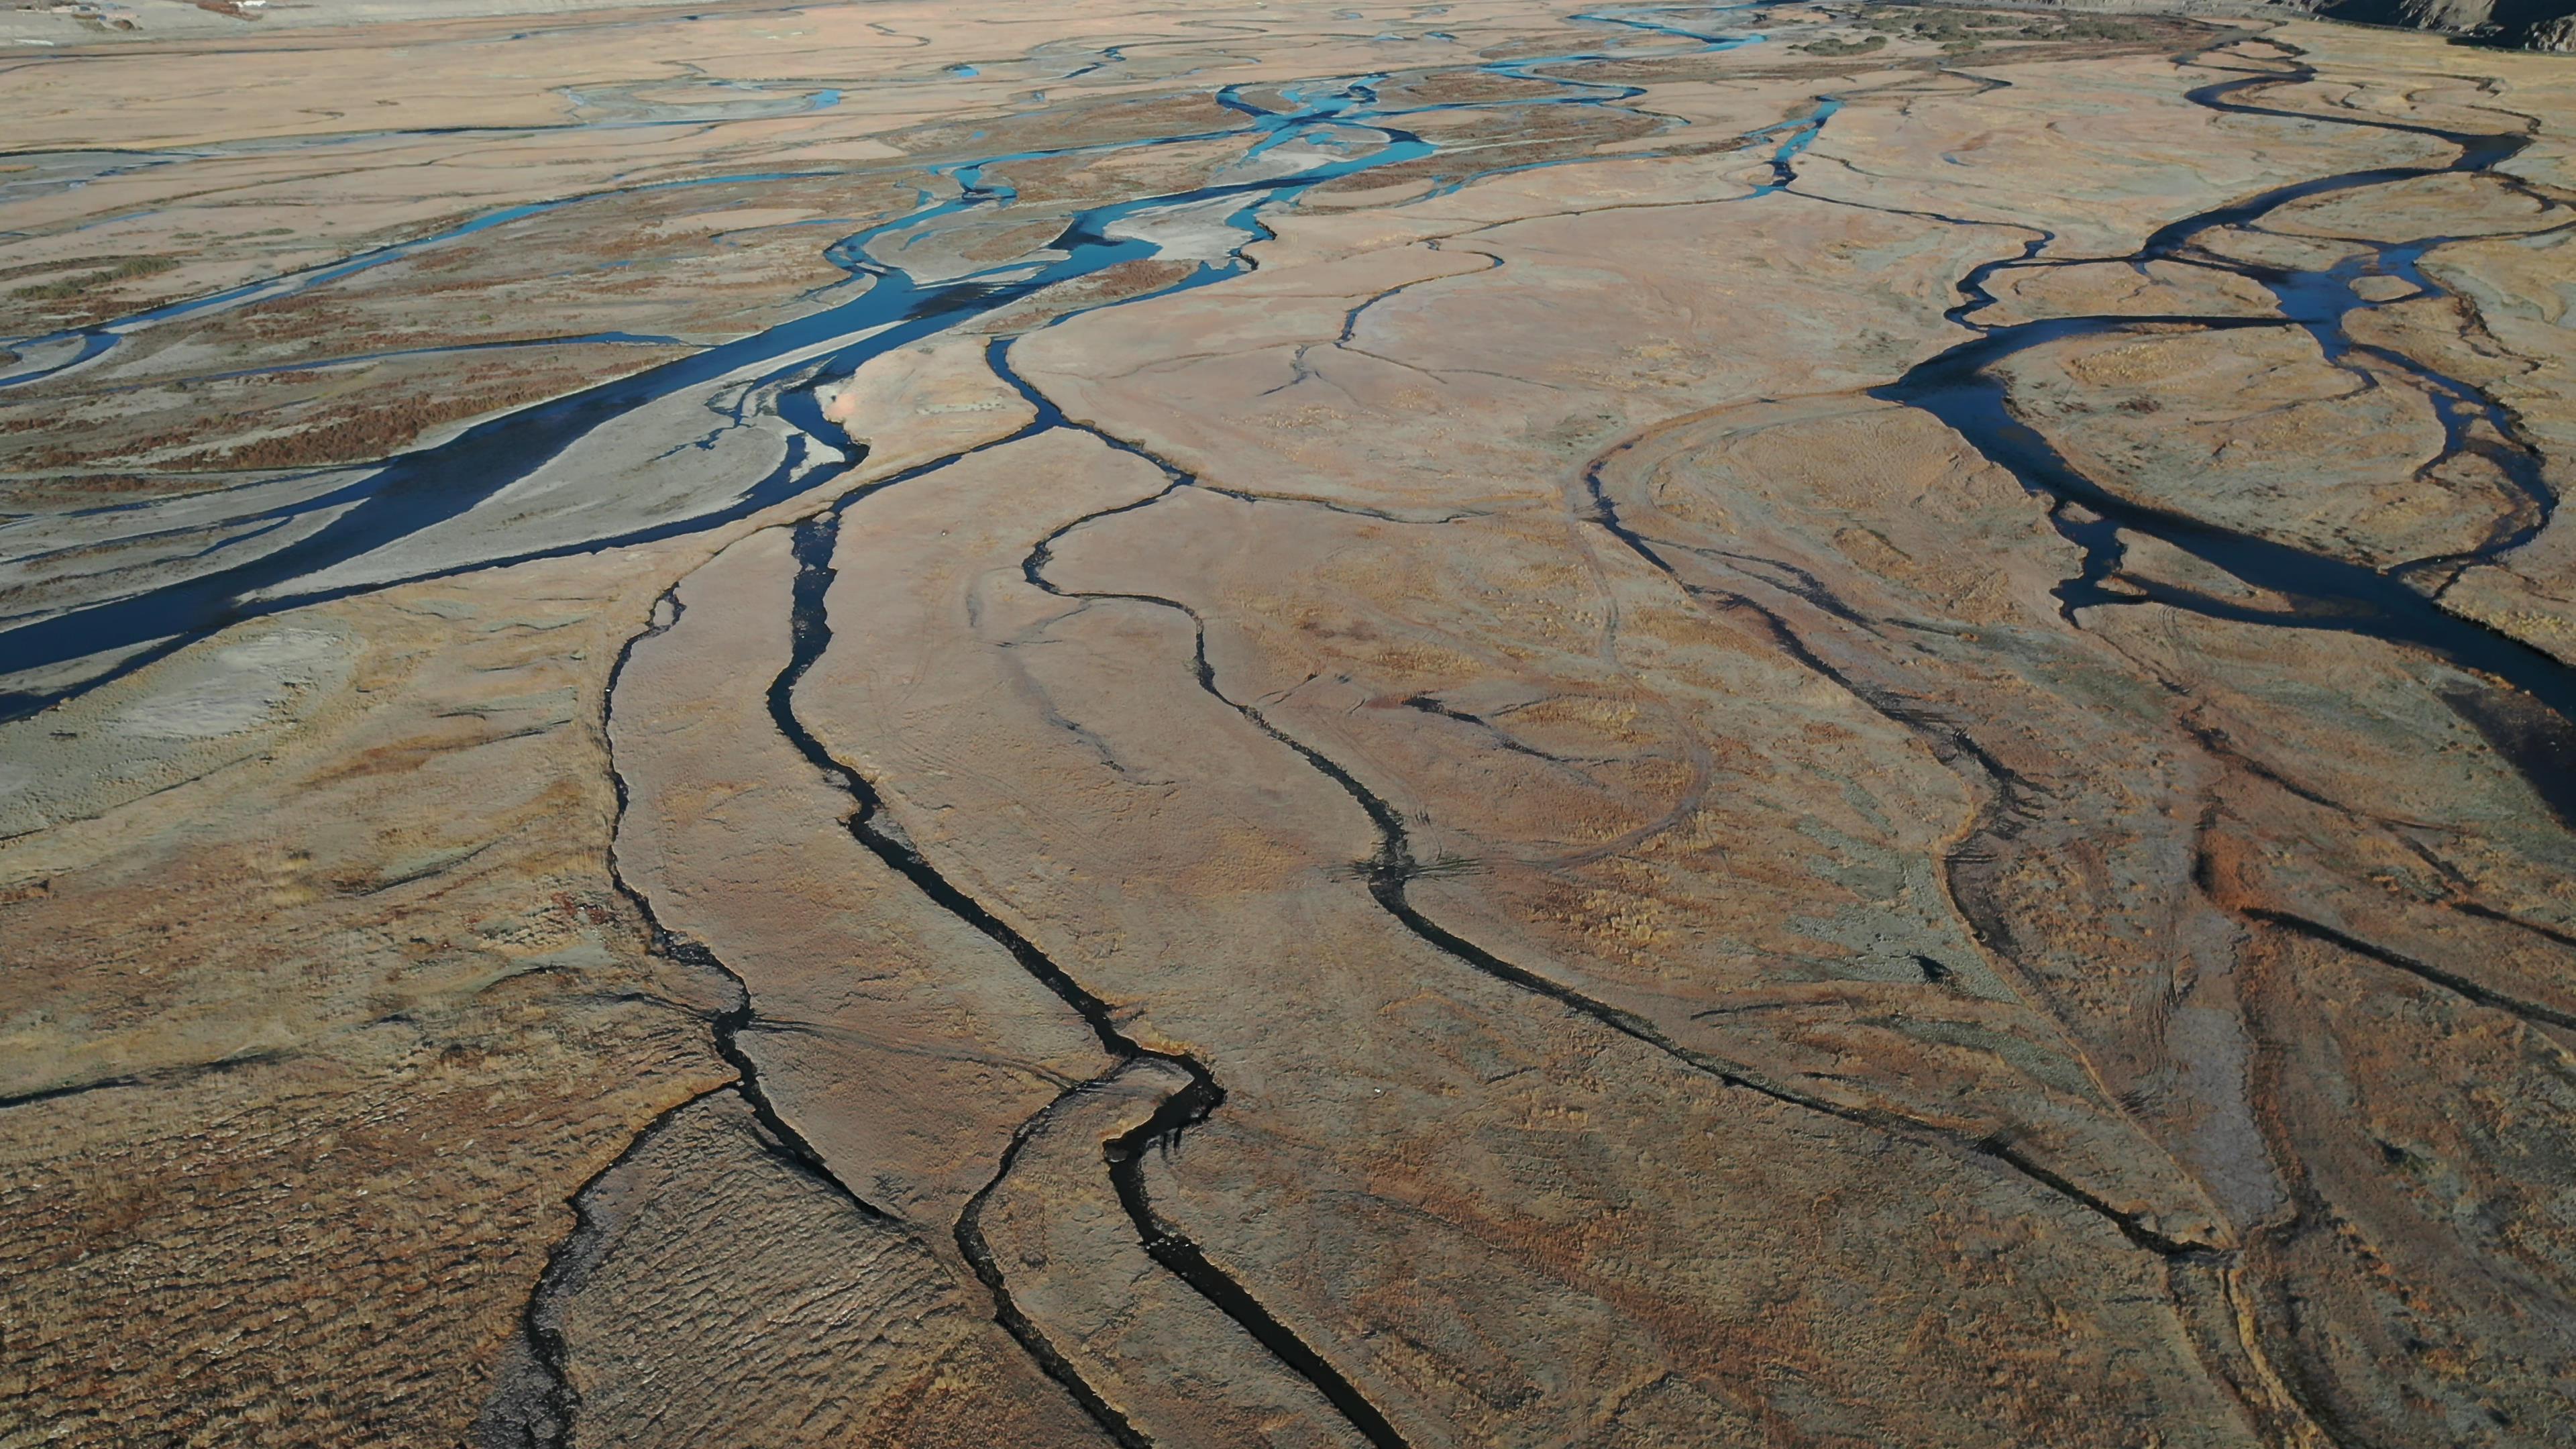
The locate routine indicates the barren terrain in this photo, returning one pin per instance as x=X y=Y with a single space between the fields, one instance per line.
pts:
x=1287 y=724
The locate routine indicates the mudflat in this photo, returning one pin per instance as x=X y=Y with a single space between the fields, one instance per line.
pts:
x=1286 y=724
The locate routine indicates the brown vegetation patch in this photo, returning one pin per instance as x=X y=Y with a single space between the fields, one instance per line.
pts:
x=371 y=431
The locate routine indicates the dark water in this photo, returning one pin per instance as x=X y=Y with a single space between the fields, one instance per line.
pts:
x=2319 y=592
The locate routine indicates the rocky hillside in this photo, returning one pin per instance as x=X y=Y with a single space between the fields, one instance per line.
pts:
x=2548 y=25
x=2525 y=24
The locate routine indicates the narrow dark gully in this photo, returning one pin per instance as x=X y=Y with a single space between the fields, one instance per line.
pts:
x=729 y=1023
x=544 y=1418
x=1394 y=865
x=815 y=541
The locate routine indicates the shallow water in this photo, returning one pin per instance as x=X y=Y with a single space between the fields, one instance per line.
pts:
x=774 y=371
x=2319 y=592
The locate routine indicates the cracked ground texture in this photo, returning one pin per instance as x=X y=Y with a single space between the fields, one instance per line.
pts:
x=1295 y=725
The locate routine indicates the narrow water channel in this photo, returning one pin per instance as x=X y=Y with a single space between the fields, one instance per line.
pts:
x=773 y=373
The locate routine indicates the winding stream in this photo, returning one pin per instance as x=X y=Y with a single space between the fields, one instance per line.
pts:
x=771 y=374
x=2321 y=592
